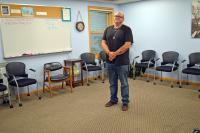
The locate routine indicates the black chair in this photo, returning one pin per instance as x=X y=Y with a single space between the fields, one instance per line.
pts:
x=61 y=74
x=147 y=61
x=193 y=68
x=169 y=64
x=102 y=62
x=3 y=88
x=17 y=77
x=89 y=64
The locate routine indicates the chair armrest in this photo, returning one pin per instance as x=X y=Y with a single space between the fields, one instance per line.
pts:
x=157 y=59
x=33 y=70
x=149 y=62
x=48 y=73
x=183 y=61
x=47 y=70
x=134 y=60
x=8 y=75
x=33 y=73
x=5 y=75
x=100 y=61
x=198 y=65
x=175 y=63
x=84 y=65
x=13 y=76
x=66 y=68
x=136 y=57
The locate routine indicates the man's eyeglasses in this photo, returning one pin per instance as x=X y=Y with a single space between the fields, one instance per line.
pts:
x=119 y=17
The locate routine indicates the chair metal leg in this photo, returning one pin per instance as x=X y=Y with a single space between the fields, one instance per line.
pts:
x=9 y=98
x=141 y=73
x=94 y=75
x=62 y=85
x=50 y=90
x=28 y=91
x=44 y=79
x=147 y=77
x=102 y=75
x=4 y=101
x=99 y=74
x=70 y=83
x=43 y=86
x=180 y=81
x=187 y=80
x=134 y=77
x=38 y=95
x=154 y=77
x=172 y=84
x=19 y=100
x=199 y=91
x=87 y=79
x=161 y=76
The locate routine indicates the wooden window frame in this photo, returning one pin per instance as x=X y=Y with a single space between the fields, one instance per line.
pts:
x=110 y=20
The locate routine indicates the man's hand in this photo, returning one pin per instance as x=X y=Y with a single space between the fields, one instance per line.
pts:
x=112 y=56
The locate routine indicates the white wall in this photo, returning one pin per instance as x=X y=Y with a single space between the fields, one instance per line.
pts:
x=80 y=41
x=162 y=25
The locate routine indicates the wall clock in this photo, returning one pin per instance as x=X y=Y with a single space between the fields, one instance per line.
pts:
x=80 y=26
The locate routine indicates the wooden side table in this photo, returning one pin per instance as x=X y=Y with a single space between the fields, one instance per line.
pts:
x=71 y=63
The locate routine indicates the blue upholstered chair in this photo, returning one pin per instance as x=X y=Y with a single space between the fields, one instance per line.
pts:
x=169 y=64
x=18 y=78
x=89 y=64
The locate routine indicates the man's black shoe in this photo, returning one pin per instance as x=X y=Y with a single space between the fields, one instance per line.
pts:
x=110 y=103
x=124 y=107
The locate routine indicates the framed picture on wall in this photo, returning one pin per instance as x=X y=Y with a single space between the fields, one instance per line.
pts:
x=195 y=19
x=27 y=11
x=66 y=14
x=5 y=10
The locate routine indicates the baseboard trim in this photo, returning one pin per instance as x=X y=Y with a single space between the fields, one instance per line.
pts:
x=33 y=92
x=56 y=87
x=172 y=79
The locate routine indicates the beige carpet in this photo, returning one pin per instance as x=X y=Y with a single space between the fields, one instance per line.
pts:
x=153 y=109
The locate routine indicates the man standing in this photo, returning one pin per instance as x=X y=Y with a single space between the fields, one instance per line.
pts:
x=117 y=40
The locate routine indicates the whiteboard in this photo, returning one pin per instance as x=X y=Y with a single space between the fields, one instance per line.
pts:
x=29 y=36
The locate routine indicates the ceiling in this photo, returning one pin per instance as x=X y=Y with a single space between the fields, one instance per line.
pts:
x=114 y=1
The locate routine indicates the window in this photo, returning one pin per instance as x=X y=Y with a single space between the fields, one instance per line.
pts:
x=99 y=19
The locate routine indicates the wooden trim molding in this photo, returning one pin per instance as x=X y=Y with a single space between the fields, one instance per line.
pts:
x=109 y=21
